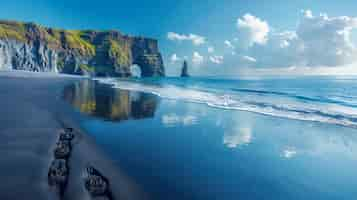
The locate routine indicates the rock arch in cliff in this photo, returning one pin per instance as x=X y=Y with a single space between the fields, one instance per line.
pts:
x=150 y=65
x=135 y=71
x=145 y=53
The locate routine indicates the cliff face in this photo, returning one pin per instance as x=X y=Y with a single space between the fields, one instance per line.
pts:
x=27 y=46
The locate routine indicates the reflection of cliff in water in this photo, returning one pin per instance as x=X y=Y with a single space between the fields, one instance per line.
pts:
x=102 y=101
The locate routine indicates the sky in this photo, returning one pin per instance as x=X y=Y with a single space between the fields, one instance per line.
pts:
x=226 y=37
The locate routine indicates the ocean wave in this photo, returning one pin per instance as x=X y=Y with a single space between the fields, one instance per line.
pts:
x=333 y=100
x=278 y=104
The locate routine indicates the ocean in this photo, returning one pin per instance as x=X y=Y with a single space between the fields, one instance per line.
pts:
x=225 y=138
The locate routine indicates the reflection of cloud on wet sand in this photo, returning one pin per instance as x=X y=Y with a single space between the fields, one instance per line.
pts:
x=316 y=142
x=173 y=120
x=321 y=144
x=289 y=152
x=237 y=137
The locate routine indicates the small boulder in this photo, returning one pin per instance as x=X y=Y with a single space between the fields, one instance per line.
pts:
x=66 y=136
x=95 y=183
x=92 y=171
x=62 y=150
x=58 y=172
x=68 y=130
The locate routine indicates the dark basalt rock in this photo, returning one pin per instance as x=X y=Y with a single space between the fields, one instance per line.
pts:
x=95 y=183
x=150 y=65
x=68 y=130
x=67 y=135
x=63 y=149
x=58 y=172
x=184 y=71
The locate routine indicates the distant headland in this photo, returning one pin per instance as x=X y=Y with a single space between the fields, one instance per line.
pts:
x=32 y=47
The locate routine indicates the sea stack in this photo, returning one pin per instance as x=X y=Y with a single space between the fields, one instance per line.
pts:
x=184 y=71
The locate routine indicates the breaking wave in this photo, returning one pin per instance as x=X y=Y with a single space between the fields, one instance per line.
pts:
x=278 y=104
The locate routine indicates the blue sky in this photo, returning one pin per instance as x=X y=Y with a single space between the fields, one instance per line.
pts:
x=216 y=22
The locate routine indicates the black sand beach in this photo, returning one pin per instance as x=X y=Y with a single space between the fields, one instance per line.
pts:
x=32 y=114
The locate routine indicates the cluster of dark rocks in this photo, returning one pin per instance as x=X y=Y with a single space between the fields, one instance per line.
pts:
x=96 y=184
x=58 y=170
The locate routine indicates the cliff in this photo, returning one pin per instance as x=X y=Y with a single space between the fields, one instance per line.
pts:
x=31 y=47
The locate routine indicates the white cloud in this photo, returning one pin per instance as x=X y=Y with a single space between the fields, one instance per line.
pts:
x=210 y=49
x=283 y=39
x=320 y=44
x=197 y=59
x=326 y=40
x=195 y=39
x=307 y=13
x=216 y=59
x=318 y=41
x=174 y=58
x=229 y=44
x=284 y=49
x=252 y=30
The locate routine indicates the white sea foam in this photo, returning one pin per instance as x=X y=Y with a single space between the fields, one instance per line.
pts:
x=279 y=107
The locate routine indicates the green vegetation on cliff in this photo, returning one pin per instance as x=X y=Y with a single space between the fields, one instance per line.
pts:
x=87 y=68
x=119 y=52
x=75 y=40
x=25 y=32
x=13 y=30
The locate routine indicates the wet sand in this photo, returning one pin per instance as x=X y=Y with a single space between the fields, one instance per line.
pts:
x=31 y=114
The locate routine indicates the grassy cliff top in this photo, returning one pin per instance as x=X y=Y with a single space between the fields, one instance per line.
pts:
x=84 y=42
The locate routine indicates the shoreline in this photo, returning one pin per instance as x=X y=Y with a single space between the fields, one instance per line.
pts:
x=33 y=113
